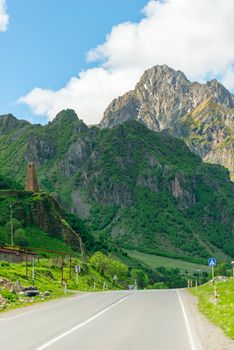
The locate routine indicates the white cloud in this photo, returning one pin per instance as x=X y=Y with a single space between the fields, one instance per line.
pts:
x=195 y=36
x=4 y=18
x=228 y=78
x=88 y=94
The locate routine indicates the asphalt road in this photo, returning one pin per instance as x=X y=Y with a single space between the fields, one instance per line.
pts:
x=145 y=320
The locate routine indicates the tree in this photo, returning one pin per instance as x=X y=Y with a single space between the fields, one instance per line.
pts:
x=109 y=267
x=115 y=267
x=15 y=223
x=222 y=269
x=100 y=262
x=140 y=277
x=20 y=238
x=159 y=285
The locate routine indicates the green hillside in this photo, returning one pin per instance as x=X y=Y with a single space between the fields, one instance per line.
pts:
x=133 y=188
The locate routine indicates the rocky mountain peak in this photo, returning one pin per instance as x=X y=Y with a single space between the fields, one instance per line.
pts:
x=8 y=123
x=162 y=96
x=165 y=99
x=162 y=74
x=66 y=115
x=154 y=101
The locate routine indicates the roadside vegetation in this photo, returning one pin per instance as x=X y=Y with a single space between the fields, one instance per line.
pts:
x=221 y=314
x=93 y=276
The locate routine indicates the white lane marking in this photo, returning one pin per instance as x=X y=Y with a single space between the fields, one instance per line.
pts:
x=43 y=308
x=190 y=335
x=63 y=335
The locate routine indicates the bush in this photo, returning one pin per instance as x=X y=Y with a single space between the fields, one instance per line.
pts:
x=159 y=285
x=11 y=296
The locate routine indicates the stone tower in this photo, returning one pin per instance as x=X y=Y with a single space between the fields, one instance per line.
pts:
x=31 y=179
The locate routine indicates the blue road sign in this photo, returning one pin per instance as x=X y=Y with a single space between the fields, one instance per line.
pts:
x=212 y=262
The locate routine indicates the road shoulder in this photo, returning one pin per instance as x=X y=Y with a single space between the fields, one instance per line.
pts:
x=211 y=336
x=40 y=305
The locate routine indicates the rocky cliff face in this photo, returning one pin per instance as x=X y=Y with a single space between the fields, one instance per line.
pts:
x=38 y=210
x=165 y=99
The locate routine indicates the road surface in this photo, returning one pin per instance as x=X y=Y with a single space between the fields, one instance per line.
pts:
x=118 y=320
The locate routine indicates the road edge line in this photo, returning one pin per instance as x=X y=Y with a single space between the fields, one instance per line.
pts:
x=73 y=329
x=189 y=332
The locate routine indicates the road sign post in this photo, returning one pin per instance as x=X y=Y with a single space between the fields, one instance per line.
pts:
x=212 y=263
x=115 y=278
x=65 y=287
x=105 y=285
x=77 y=270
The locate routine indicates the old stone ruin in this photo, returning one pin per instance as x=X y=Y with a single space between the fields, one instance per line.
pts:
x=31 y=179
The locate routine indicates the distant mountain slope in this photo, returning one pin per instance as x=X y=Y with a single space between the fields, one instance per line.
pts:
x=135 y=187
x=202 y=114
x=9 y=123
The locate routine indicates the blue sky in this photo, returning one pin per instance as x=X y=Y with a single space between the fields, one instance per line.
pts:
x=57 y=54
x=47 y=41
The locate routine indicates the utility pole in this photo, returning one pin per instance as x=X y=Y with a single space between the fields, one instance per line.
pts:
x=62 y=264
x=26 y=265
x=11 y=221
x=33 y=271
x=70 y=266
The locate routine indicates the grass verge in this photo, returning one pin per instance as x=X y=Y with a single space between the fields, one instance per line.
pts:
x=47 y=278
x=221 y=314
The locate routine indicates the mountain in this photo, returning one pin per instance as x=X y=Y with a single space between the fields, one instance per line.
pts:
x=201 y=114
x=135 y=188
x=8 y=123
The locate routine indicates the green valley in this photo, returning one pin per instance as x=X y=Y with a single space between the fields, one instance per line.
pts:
x=155 y=261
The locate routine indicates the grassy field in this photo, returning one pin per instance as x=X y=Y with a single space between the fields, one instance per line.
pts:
x=47 y=277
x=154 y=261
x=222 y=314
